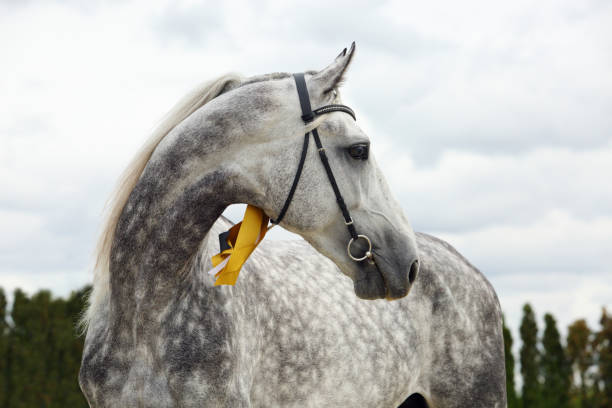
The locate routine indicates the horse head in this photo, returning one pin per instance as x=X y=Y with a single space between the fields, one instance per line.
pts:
x=270 y=153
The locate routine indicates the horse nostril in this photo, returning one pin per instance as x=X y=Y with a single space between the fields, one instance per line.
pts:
x=414 y=269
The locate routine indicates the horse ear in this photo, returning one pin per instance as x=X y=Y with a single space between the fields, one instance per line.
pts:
x=333 y=75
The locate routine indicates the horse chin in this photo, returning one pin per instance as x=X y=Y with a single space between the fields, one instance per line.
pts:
x=371 y=284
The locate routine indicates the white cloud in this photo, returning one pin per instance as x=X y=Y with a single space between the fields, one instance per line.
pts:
x=568 y=296
x=466 y=191
x=490 y=119
x=506 y=78
x=556 y=242
x=17 y=226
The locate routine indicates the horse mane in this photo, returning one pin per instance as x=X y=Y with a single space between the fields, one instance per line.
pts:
x=191 y=102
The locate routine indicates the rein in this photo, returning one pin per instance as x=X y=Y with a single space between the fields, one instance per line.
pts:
x=240 y=241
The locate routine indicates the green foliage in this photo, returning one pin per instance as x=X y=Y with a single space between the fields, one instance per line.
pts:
x=40 y=354
x=509 y=360
x=602 y=346
x=580 y=357
x=555 y=367
x=530 y=359
x=4 y=370
x=43 y=351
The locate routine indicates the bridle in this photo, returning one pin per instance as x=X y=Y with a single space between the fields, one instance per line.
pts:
x=308 y=115
x=237 y=244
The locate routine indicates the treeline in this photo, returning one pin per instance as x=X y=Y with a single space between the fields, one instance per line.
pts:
x=40 y=355
x=40 y=350
x=576 y=373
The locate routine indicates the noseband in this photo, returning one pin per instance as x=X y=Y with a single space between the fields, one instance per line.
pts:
x=308 y=115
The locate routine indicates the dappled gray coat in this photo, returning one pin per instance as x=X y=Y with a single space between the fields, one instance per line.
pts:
x=305 y=325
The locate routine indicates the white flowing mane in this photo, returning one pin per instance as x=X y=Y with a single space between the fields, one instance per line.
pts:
x=114 y=206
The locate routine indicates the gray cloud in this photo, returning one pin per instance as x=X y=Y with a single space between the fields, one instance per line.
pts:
x=198 y=25
x=467 y=191
x=493 y=128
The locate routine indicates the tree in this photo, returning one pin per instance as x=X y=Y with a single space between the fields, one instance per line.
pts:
x=555 y=368
x=529 y=359
x=30 y=383
x=602 y=346
x=71 y=361
x=510 y=389
x=44 y=341
x=4 y=355
x=580 y=355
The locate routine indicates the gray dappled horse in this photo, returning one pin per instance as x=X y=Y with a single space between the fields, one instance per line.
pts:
x=291 y=333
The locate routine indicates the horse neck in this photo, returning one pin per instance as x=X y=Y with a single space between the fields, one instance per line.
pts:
x=184 y=188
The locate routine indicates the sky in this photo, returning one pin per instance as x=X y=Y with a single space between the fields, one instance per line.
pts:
x=491 y=121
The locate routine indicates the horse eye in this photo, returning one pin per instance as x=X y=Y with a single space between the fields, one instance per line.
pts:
x=359 y=151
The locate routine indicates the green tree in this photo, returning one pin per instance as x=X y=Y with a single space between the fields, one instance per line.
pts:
x=29 y=347
x=44 y=341
x=4 y=368
x=510 y=389
x=580 y=356
x=602 y=346
x=71 y=360
x=555 y=367
x=529 y=359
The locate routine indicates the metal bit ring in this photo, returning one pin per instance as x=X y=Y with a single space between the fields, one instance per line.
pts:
x=368 y=253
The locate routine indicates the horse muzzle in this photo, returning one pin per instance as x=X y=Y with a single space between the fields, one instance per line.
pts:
x=391 y=269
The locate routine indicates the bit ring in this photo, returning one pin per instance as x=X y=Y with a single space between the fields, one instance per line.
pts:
x=368 y=253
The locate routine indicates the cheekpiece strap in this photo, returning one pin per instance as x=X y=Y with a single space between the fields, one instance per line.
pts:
x=308 y=116
x=300 y=82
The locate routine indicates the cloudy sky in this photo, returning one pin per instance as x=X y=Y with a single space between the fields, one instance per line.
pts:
x=494 y=120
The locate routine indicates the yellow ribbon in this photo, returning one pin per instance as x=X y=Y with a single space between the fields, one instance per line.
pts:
x=243 y=239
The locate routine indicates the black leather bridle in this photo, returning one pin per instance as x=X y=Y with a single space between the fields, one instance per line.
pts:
x=308 y=115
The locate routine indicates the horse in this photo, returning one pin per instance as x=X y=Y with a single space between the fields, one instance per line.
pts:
x=306 y=325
